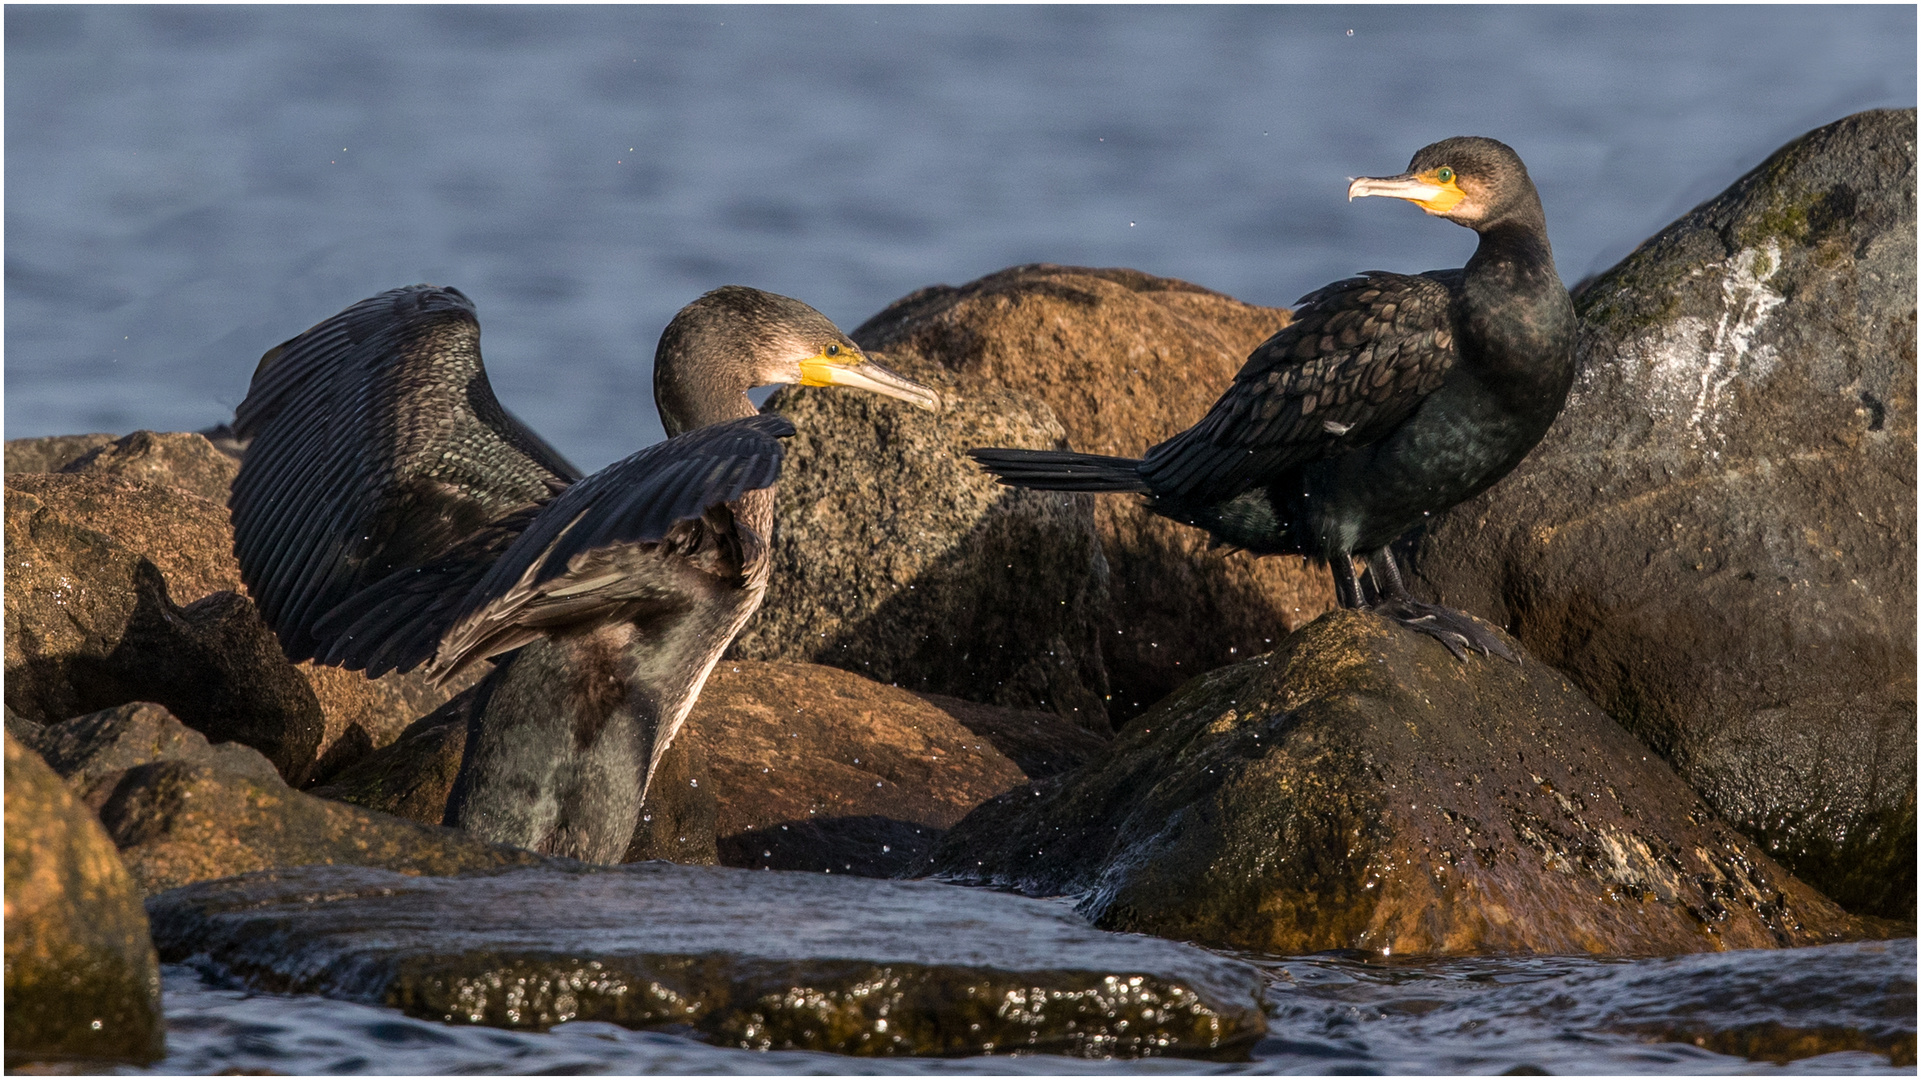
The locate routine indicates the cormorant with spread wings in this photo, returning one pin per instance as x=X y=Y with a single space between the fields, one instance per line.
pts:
x=389 y=513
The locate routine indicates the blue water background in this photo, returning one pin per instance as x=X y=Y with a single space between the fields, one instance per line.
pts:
x=188 y=186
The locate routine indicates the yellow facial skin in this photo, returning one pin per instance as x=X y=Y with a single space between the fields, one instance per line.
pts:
x=838 y=365
x=1436 y=191
x=818 y=369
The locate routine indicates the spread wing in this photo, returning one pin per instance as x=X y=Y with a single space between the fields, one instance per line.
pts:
x=1358 y=357
x=378 y=448
x=649 y=535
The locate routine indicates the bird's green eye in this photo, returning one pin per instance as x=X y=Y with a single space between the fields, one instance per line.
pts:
x=833 y=350
x=1444 y=174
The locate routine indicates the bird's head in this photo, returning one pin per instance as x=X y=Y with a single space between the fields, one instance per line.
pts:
x=1468 y=180
x=735 y=338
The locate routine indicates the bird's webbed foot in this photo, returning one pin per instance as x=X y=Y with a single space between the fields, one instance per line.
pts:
x=1457 y=630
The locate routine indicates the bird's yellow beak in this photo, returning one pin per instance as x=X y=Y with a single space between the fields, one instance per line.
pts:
x=1426 y=190
x=854 y=370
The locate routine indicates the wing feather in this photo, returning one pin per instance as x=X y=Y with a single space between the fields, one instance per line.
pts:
x=377 y=447
x=1357 y=359
x=616 y=544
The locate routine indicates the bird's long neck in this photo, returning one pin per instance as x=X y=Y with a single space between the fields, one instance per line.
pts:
x=689 y=400
x=1518 y=241
x=1518 y=315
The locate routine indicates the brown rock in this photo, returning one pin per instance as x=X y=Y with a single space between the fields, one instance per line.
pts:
x=93 y=752
x=50 y=453
x=1717 y=539
x=820 y=769
x=897 y=559
x=177 y=822
x=679 y=820
x=412 y=776
x=1361 y=788
x=1038 y=744
x=181 y=459
x=75 y=543
x=82 y=980
x=1125 y=360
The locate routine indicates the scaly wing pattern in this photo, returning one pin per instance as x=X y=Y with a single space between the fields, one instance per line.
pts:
x=1358 y=357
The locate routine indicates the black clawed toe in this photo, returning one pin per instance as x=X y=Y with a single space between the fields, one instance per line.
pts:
x=1457 y=630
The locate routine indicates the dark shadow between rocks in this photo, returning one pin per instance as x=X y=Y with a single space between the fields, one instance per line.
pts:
x=864 y=846
x=1039 y=750
x=215 y=666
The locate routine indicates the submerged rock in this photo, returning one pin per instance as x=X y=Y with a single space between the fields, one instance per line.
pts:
x=1716 y=541
x=896 y=558
x=1361 y=788
x=1125 y=360
x=756 y=960
x=1783 y=1007
x=82 y=982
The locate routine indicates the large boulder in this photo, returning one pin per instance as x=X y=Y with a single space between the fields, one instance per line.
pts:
x=82 y=981
x=761 y=961
x=1716 y=541
x=780 y=766
x=819 y=769
x=122 y=590
x=1362 y=789
x=1124 y=360
x=896 y=558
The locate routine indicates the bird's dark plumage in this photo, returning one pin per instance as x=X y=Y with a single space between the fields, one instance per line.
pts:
x=1387 y=398
x=389 y=513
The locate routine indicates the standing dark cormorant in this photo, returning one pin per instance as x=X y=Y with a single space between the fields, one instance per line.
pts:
x=389 y=512
x=1389 y=397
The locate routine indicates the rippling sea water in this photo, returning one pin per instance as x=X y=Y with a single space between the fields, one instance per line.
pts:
x=188 y=186
x=1329 y=1015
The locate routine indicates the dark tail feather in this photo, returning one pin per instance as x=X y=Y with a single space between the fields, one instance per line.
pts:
x=1061 y=470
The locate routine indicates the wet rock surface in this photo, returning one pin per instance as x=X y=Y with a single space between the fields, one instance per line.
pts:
x=82 y=981
x=176 y=822
x=897 y=559
x=782 y=766
x=756 y=960
x=1125 y=360
x=1716 y=540
x=1361 y=788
